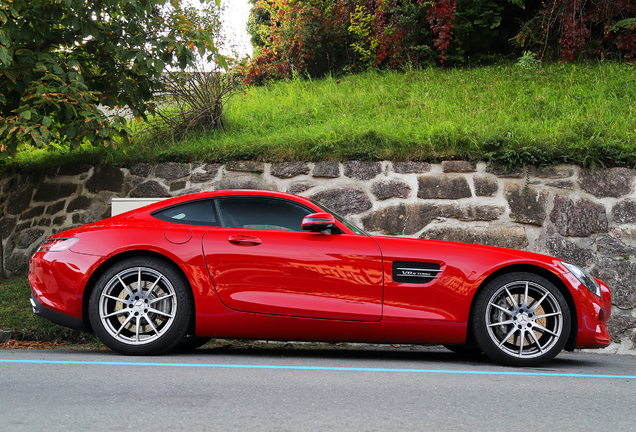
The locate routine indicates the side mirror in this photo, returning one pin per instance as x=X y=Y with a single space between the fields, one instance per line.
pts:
x=318 y=222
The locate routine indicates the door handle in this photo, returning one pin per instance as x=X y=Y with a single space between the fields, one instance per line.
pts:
x=244 y=240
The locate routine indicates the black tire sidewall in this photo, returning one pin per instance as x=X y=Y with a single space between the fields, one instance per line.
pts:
x=182 y=319
x=478 y=320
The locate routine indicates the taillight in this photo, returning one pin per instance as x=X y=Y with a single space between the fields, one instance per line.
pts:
x=57 y=244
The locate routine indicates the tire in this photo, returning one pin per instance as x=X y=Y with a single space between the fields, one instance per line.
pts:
x=140 y=319
x=521 y=319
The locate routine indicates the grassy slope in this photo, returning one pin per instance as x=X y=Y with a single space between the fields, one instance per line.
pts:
x=559 y=113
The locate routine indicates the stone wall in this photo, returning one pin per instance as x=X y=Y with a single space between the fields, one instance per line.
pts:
x=586 y=217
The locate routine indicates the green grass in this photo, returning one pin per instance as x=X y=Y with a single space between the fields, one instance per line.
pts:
x=16 y=315
x=582 y=114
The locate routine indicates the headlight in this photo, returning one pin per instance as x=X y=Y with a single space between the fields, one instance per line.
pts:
x=57 y=244
x=584 y=277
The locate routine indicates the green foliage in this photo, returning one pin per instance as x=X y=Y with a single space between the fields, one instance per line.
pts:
x=60 y=59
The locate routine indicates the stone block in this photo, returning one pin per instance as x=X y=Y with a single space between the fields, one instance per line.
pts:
x=16 y=264
x=28 y=237
x=20 y=201
x=172 y=170
x=527 y=204
x=486 y=186
x=285 y=170
x=244 y=182
x=612 y=247
x=298 y=188
x=604 y=183
x=458 y=167
x=579 y=219
x=501 y=172
x=178 y=185
x=619 y=324
x=619 y=276
x=403 y=219
x=409 y=167
x=106 y=178
x=246 y=166
x=443 y=186
x=471 y=212
x=328 y=169
x=74 y=170
x=79 y=203
x=7 y=224
x=55 y=207
x=561 y=184
x=344 y=200
x=45 y=222
x=361 y=170
x=54 y=191
x=60 y=220
x=568 y=251
x=390 y=189
x=150 y=189
x=141 y=169
x=552 y=172
x=624 y=212
x=509 y=237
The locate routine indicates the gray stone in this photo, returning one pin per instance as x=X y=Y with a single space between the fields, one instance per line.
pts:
x=403 y=219
x=485 y=185
x=619 y=324
x=16 y=264
x=7 y=224
x=246 y=166
x=106 y=178
x=244 y=182
x=172 y=170
x=150 y=189
x=79 y=203
x=578 y=220
x=60 y=220
x=471 y=212
x=178 y=185
x=44 y=222
x=22 y=226
x=443 y=186
x=620 y=277
x=28 y=238
x=212 y=169
x=624 y=212
x=298 y=188
x=11 y=184
x=612 y=182
x=56 y=207
x=20 y=201
x=202 y=177
x=344 y=200
x=287 y=170
x=552 y=172
x=612 y=247
x=458 y=167
x=509 y=237
x=409 y=167
x=141 y=169
x=32 y=212
x=527 y=204
x=511 y=173
x=568 y=251
x=54 y=191
x=561 y=184
x=390 y=189
x=328 y=169
x=361 y=170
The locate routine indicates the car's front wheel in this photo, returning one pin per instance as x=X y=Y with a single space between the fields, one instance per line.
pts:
x=521 y=319
x=140 y=306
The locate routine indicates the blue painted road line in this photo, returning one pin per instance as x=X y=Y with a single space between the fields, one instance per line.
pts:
x=318 y=368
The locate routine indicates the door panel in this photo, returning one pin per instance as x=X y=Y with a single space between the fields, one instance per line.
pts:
x=296 y=273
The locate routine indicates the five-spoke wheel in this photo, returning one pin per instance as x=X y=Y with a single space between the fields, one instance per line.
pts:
x=140 y=306
x=521 y=319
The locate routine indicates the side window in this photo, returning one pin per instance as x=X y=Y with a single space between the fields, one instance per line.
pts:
x=261 y=213
x=193 y=213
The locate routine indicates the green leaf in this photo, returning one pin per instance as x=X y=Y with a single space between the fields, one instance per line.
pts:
x=4 y=38
x=5 y=56
x=3 y=17
x=25 y=115
x=46 y=121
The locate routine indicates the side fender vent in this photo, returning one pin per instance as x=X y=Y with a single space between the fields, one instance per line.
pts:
x=415 y=272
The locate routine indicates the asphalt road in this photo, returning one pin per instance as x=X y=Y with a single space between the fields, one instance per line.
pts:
x=361 y=388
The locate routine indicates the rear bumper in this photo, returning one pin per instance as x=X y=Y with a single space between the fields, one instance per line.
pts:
x=57 y=317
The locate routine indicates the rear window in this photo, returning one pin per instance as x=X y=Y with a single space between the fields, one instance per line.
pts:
x=193 y=213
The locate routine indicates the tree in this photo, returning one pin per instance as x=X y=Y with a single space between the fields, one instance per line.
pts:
x=59 y=59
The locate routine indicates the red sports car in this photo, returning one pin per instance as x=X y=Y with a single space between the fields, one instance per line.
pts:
x=275 y=266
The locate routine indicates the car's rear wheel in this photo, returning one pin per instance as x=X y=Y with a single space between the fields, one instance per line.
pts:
x=140 y=306
x=521 y=319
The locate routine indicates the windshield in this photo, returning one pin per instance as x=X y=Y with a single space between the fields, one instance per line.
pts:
x=342 y=220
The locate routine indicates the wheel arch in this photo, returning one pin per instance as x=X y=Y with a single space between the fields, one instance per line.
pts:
x=546 y=274
x=90 y=285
